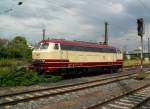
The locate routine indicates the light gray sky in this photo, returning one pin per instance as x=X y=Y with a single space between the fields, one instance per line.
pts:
x=75 y=20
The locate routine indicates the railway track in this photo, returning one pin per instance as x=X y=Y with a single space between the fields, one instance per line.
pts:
x=145 y=105
x=15 y=98
x=129 y=100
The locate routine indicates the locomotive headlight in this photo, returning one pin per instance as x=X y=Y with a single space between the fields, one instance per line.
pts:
x=43 y=60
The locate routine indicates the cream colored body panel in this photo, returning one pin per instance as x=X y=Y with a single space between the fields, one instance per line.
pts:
x=80 y=56
x=75 y=56
x=53 y=54
x=49 y=53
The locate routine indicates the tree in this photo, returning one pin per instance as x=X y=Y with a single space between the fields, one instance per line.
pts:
x=19 y=40
x=16 y=48
x=3 y=47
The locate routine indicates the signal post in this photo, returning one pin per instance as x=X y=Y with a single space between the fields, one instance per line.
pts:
x=140 y=29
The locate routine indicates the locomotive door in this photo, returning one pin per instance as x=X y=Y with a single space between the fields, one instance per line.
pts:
x=119 y=55
x=57 y=53
x=60 y=52
x=114 y=58
x=63 y=53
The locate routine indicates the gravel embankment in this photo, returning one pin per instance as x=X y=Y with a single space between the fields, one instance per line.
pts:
x=91 y=96
x=80 y=99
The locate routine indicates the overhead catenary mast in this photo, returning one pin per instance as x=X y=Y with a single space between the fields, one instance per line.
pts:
x=148 y=46
x=44 y=30
x=106 y=34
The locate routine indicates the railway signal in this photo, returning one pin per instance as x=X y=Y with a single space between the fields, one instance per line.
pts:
x=140 y=29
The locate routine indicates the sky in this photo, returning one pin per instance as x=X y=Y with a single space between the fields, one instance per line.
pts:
x=76 y=20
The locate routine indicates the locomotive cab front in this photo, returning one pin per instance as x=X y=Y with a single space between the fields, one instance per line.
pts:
x=45 y=53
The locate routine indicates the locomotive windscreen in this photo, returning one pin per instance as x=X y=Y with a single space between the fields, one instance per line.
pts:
x=43 y=46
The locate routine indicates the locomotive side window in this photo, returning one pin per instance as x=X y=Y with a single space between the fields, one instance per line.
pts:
x=109 y=50
x=56 y=46
x=88 y=49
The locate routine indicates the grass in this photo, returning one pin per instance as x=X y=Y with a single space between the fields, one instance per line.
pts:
x=141 y=75
x=128 y=63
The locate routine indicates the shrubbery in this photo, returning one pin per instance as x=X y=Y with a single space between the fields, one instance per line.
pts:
x=16 y=48
x=25 y=77
x=8 y=62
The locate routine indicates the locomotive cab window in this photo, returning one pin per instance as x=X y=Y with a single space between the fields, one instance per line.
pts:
x=56 y=46
x=43 y=46
x=118 y=51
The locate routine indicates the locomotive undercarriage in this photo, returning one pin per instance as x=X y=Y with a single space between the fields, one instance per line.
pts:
x=80 y=70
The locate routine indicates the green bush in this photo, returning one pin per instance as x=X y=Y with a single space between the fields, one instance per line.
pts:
x=52 y=78
x=7 y=63
x=16 y=48
x=25 y=77
x=14 y=62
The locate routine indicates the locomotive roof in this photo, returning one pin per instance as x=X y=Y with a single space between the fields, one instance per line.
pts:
x=76 y=43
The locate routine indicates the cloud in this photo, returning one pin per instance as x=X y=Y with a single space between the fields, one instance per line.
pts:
x=116 y=8
x=74 y=20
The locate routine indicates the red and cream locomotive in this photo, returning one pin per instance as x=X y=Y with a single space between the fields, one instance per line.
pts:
x=53 y=55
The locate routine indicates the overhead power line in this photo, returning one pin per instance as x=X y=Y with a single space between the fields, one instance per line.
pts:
x=144 y=6
x=11 y=9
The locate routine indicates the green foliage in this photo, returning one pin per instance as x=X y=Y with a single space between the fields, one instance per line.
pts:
x=13 y=62
x=19 y=40
x=7 y=63
x=25 y=77
x=3 y=52
x=52 y=78
x=17 y=48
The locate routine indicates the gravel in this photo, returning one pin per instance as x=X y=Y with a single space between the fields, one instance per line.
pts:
x=80 y=99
